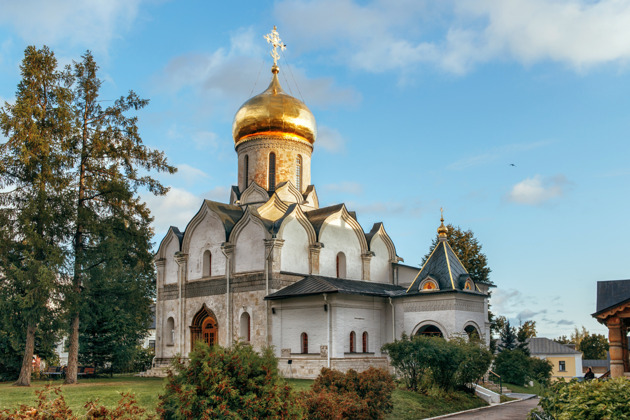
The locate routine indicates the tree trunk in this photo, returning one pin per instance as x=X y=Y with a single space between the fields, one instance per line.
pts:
x=73 y=352
x=27 y=362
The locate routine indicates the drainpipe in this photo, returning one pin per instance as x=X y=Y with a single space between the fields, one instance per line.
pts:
x=273 y=243
x=329 y=334
x=393 y=320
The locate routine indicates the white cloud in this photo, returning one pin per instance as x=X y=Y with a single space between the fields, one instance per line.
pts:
x=538 y=190
x=205 y=139
x=188 y=174
x=221 y=194
x=346 y=187
x=176 y=208
x=330 y=140
x=226 y=76
x=456 y=35
x=90 y=24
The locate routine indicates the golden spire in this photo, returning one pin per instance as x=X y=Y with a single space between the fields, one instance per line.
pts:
x=274 y=39
x=442 y=230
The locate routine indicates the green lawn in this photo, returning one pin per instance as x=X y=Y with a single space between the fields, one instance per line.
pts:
x=537 y=389
x=407 y=404
x=107 y=390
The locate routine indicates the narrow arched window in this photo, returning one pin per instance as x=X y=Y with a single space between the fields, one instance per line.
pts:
x=298 y=173
x=365 y=342
x=246 y=332
x=304 y=343
x=272 y=171
x=170 y=331
x=207 y=264
x=353 y=338
x=341 y=265
x=246 y=171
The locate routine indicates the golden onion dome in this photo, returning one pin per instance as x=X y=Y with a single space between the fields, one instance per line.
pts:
x=276 y=113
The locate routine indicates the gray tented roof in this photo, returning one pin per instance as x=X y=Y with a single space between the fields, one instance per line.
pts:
x=444 y=267
x=611 y=293
x=542 y=345
x=315 y=285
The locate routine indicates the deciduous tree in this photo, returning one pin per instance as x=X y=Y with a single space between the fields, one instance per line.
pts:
x=594 y=346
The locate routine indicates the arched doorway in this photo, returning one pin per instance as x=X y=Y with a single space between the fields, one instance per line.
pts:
x=472 y=332
x=204 y=327
x=430 y=330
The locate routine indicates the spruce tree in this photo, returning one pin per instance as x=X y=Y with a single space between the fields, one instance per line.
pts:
x=34 y=203
x=508 y=337
x=111 y=164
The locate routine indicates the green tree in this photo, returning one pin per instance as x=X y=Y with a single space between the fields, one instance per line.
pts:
x=525 y=331
x=508 y=337
x=468 y=250
x=430 y=359
x=540 y=370
x=594 y=347
x=111 y=163
x=228 y=383
x=513 y=366
x=34 y=204
x=475 y=362
x=563 y=339
x=578 y=335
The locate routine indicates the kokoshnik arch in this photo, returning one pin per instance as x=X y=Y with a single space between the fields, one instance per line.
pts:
x=272 y=268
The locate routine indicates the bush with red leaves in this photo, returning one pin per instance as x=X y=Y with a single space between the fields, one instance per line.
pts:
x=335 y=395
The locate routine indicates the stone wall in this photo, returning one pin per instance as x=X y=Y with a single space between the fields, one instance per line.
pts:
x=309 y=367
x=286 y=149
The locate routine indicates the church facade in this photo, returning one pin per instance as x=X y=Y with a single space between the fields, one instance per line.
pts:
x=273 y=268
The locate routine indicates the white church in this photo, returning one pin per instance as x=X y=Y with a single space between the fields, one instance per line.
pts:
x=273 y=268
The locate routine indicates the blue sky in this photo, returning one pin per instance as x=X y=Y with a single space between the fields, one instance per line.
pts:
x=419 y=105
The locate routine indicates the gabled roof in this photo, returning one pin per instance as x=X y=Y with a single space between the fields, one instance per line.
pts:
x=317 y=217
x=228 y=214
x=611 y=294
x=316 y=285
x=444 y=267
x=542 y=345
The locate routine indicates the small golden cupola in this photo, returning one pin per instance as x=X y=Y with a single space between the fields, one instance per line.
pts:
x=273 y=135
x=442 y=230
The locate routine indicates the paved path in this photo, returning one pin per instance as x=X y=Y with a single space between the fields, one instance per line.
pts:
x=513 y=411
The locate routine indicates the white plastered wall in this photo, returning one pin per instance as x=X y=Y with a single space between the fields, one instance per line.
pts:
x=295 y=252
x=380 y=267
x=208 y=235
x=337 y=236
x=170 y=268
x=249 y=252
x=449 y=312
x=359 y=314
x=293 y=317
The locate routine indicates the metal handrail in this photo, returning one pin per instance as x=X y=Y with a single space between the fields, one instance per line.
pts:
x=500 y=380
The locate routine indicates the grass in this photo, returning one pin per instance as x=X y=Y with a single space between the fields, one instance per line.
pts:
x=407 y=404
x=107 y=390
x=410 y=405
x=537 y=389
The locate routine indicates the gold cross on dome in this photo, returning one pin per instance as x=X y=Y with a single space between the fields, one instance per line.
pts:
x=274 y=39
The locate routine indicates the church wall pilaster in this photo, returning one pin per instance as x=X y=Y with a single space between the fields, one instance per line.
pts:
x=314 y=251
x=365 y=265
x=228 y=250
x=182 y=276
x=159 y=307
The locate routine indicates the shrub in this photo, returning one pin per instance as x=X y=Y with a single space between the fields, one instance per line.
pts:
x=603 y=400
x=476 y=360
x=56 y=408
x=335 y=395
x=233 y=382
x=420 y=357
x=540 y=370
x=513 y=366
